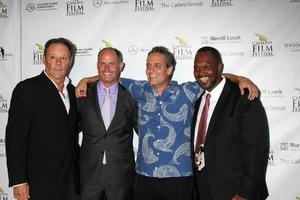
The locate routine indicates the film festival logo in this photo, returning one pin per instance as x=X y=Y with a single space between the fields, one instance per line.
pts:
x=3 y=194
x=107 y=43
x=263 y=47
x=182 y=50
x=75 y=7
x=38 y=54
x=271 y=160
x=3 y=104
x=221 y=3
x=296 y=101
x=144 y=5
x=3 y=9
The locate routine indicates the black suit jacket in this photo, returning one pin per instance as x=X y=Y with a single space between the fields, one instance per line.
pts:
x=41 y=139
x=236 y=146
x=116 y=142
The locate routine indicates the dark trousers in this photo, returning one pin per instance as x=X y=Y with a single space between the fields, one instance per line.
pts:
x=177 y=188
x=101 y=188
x=203 y=191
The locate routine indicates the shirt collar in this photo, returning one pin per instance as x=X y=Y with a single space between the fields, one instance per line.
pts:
x=216 y=92
x=112 y=89
x=66 y=81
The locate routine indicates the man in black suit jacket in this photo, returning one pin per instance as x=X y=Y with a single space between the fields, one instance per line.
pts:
x=41 y=133
x=233 y=159
x=106 y=155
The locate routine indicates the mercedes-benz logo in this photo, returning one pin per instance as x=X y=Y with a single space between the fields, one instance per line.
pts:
x=97 y=3
x=132 y=49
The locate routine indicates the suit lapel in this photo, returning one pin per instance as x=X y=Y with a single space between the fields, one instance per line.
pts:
x=72 y=99
x=95 y=103
x=119 y=106
x=53 y=91
x=221 y=104
x=196 y=111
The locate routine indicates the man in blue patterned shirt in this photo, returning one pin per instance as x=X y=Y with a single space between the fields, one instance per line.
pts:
x=164 y=165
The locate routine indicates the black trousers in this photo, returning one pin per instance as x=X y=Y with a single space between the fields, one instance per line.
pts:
x=203 y=191
x=177 y=188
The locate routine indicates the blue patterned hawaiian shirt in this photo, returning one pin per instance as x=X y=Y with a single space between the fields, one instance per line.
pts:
x=164 y=127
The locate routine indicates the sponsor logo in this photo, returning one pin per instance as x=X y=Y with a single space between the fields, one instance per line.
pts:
x=262 y=47
x=289 y=146
x=3 y=9
x=181 y=4
x=296 y=102
x=84 y=51
x=2 y=155
x=292 y=46
x=182 y=50
x=132 y=49
x=3 y=104
x=275 y=108
x=97 y=3
x=233 y=53
x=45 y=6
x=2 y=142
x=38 y=54
x=221 y=3
x=271 y=93
x=221 y=39
x=3 y=194
x=144 y=5
x=3 y=54
x=290 y=161
x=75 y=7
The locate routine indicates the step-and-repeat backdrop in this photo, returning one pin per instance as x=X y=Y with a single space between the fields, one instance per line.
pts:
x=259 y=39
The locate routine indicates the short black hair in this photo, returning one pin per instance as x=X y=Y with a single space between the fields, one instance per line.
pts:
x=213 y=51
x=170 y=59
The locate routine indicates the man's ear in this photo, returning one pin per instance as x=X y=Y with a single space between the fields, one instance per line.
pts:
x=220 y=68
x=170 y=69
x=121 y=67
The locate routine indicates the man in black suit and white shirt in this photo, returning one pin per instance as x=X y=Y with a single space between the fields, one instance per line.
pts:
x=41 y=133
x=231 y=155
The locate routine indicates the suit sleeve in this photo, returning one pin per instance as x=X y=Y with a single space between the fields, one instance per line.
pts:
x=255 y=146
x=17 y=133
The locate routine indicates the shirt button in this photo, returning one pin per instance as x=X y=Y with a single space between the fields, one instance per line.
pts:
x=158 y=127
x=158 y=114
x=157 y=153
x=155 y=167
x=160 y=102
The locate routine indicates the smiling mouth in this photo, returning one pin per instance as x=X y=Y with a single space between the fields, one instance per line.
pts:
x=106 y=74
x=204 y=79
